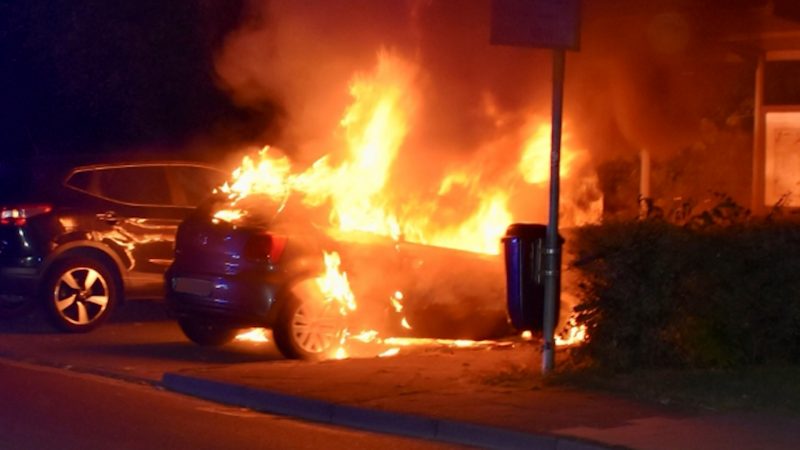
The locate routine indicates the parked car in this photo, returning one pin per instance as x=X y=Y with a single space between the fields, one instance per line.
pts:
x=81 y=238
x=261 y=272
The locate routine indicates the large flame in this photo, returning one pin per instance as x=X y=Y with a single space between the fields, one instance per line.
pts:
x=358 y=189
x=355 y=181
x=334 y=284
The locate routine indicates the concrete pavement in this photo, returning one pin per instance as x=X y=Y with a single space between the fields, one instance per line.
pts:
x=485 y=397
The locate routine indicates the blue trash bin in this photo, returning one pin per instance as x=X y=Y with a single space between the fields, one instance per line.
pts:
x=523 y=246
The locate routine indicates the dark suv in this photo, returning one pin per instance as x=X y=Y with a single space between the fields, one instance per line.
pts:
x=81 y=238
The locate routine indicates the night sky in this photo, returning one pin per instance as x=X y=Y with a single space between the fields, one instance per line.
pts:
x=88 y=76
x=92 y=76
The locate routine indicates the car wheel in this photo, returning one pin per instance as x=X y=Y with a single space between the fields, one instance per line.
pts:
x=205 y=333
x=79 y=294
x=308 y=329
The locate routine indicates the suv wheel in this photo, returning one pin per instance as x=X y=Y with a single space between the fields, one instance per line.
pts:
x=205 y=333
x=308 y=329
x=79 y=294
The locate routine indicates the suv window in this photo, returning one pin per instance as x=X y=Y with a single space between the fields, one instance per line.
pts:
x=143 y=185
x=193 y=184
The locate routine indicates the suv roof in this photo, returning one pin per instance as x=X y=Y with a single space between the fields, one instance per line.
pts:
x=36 y=179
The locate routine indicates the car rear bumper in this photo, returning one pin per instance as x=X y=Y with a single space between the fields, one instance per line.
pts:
x=240 y=301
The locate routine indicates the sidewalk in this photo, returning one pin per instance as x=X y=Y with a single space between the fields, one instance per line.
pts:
x=485 y=397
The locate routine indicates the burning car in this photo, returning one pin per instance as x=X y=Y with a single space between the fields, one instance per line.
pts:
x=279 y=269
x=382 y=216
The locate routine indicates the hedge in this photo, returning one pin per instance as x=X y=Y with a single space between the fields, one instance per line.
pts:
x=656 y=294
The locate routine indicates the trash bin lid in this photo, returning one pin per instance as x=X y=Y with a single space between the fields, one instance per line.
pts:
x=526 y=230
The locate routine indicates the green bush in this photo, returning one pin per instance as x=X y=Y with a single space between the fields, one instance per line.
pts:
x=705 y=293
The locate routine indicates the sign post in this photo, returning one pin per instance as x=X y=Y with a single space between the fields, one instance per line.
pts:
x=549 y=24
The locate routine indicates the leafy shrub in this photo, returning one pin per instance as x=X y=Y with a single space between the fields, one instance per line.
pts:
x=719 y=290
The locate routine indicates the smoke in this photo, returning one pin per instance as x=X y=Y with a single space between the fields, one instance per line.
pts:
x=303 y=54
x=662 y=77
x=643 y=79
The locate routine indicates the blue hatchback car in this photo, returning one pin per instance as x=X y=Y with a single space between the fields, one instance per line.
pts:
x=262 y=271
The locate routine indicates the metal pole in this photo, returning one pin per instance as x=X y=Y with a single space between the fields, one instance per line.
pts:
x=644 y=184
x=757 y=200
x=552 y=246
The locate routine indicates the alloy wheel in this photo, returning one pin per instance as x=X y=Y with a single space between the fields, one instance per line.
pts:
x=316 y=329
x=81 y=295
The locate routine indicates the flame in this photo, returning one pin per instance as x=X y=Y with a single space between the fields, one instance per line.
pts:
x=374 y=126
x=366 y=336
x=358 y=189
x=253 y=335
x=356 y=182
x=334 y=284
x=534 y=165
x=228 y=215
x=267 y=176
x=575 y=334
x=335 y=287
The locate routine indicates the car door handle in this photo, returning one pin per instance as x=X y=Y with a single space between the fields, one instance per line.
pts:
x=108 y=217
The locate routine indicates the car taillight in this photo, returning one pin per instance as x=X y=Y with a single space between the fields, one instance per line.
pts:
x=19 y=214
x=267 y=247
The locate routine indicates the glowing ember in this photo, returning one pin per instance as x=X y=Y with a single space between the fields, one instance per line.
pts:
x=461 y=343
x=397 y=301
x=527 y=335
x=366 y=336
x=253 y=335
x=390 y=352
x=341 y=353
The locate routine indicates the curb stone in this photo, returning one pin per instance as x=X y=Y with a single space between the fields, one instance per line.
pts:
x=402 y=424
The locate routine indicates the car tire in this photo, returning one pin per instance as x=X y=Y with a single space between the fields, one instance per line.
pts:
x=307 y=330
x=207 y=334
x=79 y=294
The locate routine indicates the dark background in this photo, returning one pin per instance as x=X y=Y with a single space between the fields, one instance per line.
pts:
x=92 y=76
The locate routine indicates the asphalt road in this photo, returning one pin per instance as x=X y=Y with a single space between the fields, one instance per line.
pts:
x=100 y=390
x=139 y=344
x=57 y=408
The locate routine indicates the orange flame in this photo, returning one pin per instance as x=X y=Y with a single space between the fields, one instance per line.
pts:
x=575 y=334
x=334 y=284
x=253 y=335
